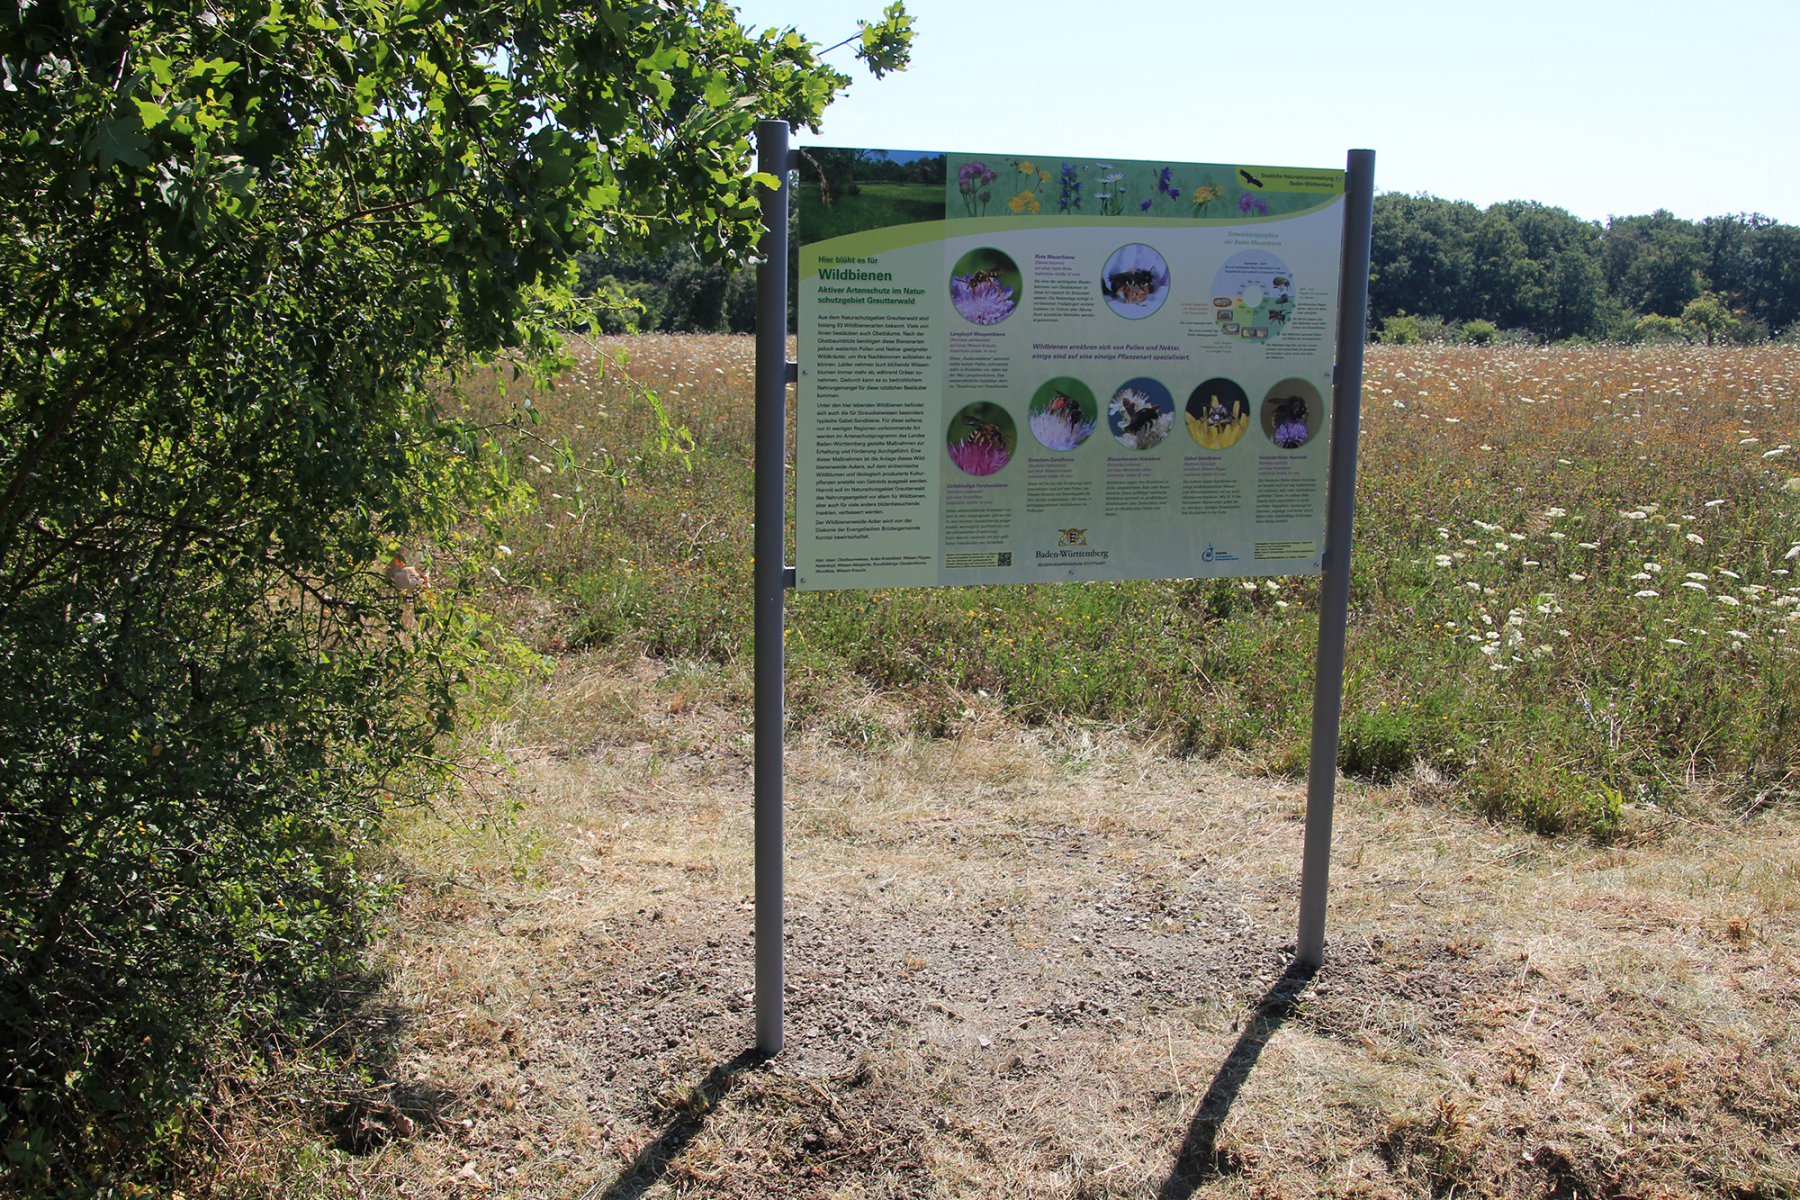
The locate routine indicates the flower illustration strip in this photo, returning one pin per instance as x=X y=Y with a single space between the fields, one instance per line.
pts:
x=1198 y=190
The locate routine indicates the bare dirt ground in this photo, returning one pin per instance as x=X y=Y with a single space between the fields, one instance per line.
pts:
x=1050 y=962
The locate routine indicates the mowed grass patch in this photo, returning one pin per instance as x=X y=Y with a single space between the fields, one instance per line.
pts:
x=1040 y=962
x=1570 y=594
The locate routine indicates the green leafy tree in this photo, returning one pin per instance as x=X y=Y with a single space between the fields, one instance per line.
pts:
x=243 y=250
x=1420 y=256
x=1507 y=283
x=1709 y=318
x=1654 y=262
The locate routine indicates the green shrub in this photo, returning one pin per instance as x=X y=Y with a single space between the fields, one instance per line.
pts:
x=1400 y=330
x=1479 y=333
x=1378 y=744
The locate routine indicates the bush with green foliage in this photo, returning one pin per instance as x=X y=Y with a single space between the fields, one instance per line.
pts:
x=1399 y=330
x=243 y=249
x=1655 y=328
x=1708 y=317
x=1478 y=332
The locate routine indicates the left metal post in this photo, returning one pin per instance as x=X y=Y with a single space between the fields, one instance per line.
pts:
x=771 y=555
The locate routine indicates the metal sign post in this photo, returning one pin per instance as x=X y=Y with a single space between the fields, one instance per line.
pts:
x=1334 y=583
x=773 y=371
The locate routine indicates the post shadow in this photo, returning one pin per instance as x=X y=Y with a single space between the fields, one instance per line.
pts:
x=654 y=1160
x=1199 y=1159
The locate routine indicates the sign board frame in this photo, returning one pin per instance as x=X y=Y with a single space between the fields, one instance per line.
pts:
x=771 y=576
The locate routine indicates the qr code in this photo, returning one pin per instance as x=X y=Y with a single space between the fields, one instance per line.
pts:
x=1005 y=559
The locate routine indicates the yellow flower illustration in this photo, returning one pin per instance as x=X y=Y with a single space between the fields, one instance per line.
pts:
x=1026 y=168
x=1204 y=195
x=1036 y=205
x=1025 y=198
x=1043 y=177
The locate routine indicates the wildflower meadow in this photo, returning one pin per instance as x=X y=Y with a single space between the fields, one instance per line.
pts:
x=1572 y=591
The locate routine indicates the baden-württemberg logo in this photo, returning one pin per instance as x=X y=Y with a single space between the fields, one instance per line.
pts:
x=1072 y=550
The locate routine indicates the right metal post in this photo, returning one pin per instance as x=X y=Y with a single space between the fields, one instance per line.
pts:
x=1334 y=583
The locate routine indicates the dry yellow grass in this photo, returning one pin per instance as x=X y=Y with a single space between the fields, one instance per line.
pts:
x=1032 y=962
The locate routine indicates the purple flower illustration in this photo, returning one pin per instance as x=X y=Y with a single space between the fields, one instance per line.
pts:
x=1252 y=204
x=1290 y=435
x=972 y=179
x=978 y=458
x=1071 y=189
x=985 y=303
x=1144 y=206
x=972 y=171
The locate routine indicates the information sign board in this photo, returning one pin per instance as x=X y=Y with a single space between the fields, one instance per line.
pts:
x=1026 y=369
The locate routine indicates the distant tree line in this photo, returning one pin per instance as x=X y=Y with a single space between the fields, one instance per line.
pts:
x=1442 y=269
x=674 y=291
x=1531 y=271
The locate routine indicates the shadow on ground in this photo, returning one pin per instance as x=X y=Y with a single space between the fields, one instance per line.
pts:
x=1199 y=1158
x=654 y=1160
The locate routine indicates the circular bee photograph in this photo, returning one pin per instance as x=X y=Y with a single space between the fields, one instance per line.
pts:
x=982 y=438
x=1292 y=412
x=1218 y=414
x=1135 y=281
x=986 y=286
x=1063 y=413
x=1141 y=414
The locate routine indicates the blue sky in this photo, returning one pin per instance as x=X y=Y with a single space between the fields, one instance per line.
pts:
x=1602 y=108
